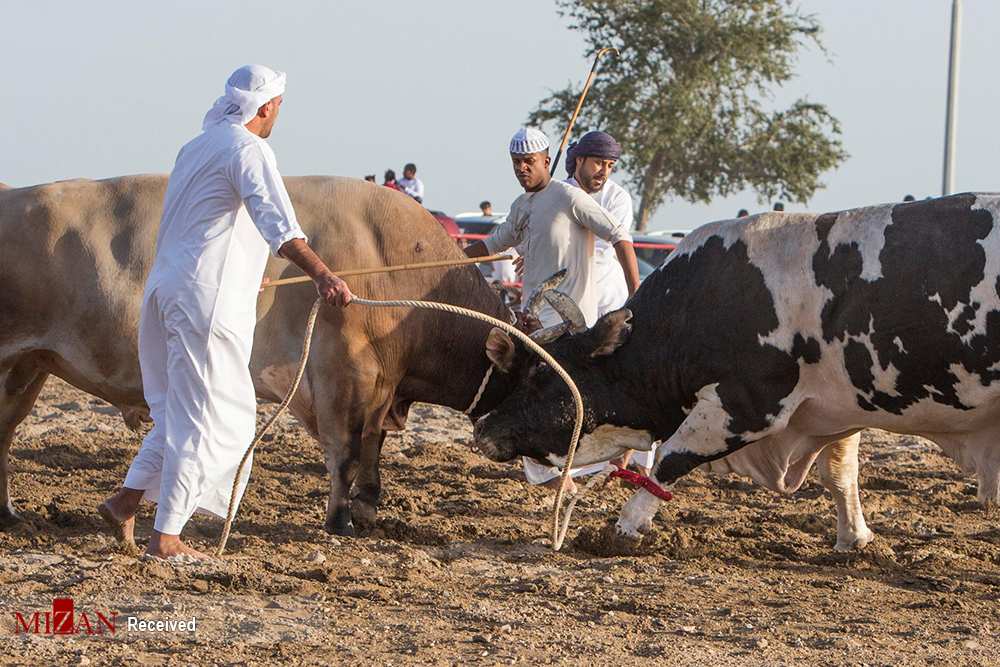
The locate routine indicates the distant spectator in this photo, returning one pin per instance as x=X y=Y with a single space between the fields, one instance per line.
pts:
x=486 y=207
x=742 y=213
x=410 y=184
x=779 y=206
x=909 y=198
x=370 y=178
x=389 y=180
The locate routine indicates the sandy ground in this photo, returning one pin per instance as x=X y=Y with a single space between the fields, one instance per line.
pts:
x=459 y=571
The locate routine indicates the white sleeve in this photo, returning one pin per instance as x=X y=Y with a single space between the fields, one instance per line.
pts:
x=255 y=177
x=588 y=213
x=418 y=188
x=507 y=234
x=620 y=208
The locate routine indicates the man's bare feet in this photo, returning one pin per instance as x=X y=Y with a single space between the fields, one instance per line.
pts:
x=553 y=484
x=118 y=513
x=166 y=546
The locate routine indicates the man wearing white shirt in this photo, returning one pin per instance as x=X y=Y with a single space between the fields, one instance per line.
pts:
x=225 y=208
x=410 y=184
x=589 y=163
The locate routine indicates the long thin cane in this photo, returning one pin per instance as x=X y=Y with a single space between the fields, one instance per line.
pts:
x=579 y=105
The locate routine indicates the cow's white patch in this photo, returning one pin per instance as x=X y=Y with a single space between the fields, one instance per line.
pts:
x=899 y=344
x=864 y=227
x=970 y=389
x=605 y=443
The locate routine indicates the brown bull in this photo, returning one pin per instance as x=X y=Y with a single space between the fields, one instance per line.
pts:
x=73 y=262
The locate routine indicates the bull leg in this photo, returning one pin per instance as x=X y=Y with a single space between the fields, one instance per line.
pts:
x=838 y=472
x=368 y=485
x=342 y=463
x=20 y=389
x=988 y=476
x=701 y=438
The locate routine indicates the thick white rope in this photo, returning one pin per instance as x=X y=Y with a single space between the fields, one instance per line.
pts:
x=557 y=535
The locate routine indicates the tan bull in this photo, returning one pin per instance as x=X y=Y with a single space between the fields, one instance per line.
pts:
x=73 y=262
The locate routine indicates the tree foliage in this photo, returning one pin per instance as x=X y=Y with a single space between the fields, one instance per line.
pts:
x=688 y=98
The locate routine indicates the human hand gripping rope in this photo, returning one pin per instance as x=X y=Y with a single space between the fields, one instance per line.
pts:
x=558 y=529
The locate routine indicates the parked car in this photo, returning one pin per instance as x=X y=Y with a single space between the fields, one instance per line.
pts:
x=475 y=226
x=653 y=248
x=448 y=223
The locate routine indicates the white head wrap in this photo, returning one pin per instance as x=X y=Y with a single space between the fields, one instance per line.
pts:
x=248 y=89
x=529 y=140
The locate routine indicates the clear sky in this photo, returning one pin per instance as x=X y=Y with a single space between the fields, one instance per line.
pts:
x=110 y=88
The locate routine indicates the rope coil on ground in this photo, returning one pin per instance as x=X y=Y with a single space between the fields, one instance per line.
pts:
x=557 y=535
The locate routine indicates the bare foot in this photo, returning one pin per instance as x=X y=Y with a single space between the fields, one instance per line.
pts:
x=118 y=513
x=168 y=547
x=553 y=485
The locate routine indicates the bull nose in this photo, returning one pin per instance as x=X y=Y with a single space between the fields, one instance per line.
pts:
x=486 y=445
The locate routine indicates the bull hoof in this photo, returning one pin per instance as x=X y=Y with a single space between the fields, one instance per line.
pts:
x=340 y=523
x=855 y=542
x=8 y=517
x=363 y=515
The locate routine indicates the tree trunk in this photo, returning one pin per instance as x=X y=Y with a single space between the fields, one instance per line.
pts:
x=647 y=198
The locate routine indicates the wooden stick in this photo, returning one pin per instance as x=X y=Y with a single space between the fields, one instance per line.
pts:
x=391 y=269
x=579 y=105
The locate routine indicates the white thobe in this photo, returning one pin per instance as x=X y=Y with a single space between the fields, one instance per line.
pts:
x=225 y=206
x=609 y=276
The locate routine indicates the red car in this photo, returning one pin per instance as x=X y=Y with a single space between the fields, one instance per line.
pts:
x=448 y=223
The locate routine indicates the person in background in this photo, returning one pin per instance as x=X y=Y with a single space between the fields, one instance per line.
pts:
x=486 y=208
x=410 y=184
x=779 y=206
x=370 y=178
x=909 y=198
x=389 y=180
x=742 y=213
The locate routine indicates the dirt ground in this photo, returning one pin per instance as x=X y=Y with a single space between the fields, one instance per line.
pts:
x=459 y=571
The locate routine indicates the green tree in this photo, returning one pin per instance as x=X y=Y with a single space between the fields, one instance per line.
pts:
x=687 y=98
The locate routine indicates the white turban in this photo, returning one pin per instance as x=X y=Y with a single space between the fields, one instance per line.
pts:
x=528 y=140
x=247 y=90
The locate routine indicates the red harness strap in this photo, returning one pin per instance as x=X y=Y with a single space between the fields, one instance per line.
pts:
x=644 y=482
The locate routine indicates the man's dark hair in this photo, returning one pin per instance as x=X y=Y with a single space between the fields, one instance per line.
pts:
x=779 y=206
x=370 y=178
x=909 y=198
x=410 y=166
x=485 y=203
x=742 y=213
x=390 y=175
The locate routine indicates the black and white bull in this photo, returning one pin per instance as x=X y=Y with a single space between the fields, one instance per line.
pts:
x=764 y=344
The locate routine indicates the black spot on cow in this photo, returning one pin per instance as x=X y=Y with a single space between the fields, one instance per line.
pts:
x=858 y=361
x=806 y=349
x=931 y=259
x=698 y=322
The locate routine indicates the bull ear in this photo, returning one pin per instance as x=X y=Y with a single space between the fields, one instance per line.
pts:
x=610 y=332
x=500 y=349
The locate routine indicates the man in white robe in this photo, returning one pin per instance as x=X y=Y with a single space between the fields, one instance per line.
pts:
x=225 y=207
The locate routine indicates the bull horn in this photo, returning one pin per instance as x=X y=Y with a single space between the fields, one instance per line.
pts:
x=567 y=309
x=535 y=301
x=549 y=334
